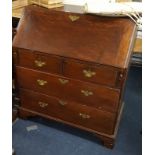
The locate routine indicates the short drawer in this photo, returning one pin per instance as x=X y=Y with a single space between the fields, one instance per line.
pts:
x=87 y=117
x=100 y=74
x=39 y=61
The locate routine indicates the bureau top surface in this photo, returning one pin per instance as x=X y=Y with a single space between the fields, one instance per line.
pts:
x=98 y=39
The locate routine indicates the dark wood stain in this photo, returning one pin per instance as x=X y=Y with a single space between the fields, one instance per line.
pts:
x=53 y=57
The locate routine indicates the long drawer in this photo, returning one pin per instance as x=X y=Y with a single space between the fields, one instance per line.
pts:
x=85 y=93
x=87 y=117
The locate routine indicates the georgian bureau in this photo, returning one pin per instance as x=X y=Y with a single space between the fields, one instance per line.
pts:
x=72 y=68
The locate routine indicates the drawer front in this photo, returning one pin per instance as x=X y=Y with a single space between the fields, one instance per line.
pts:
x=98 y=74
x=85 y=93
x=68 y=111
x=93 y=95
x=39 y=81
x=39 y=61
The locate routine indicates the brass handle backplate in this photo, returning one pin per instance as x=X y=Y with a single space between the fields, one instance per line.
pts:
x=86 y=92
x=41 y=82
x=63 y=103
x=39 y=63
x=63 y=81
x=88 y=73
x=73 y=18
x=42 y=104
x=84 y=116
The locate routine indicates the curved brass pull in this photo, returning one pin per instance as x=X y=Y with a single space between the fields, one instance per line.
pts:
x=41 y=82
x=42 y=104
x=63 y=81
x=73 y=18
x=39 y=63
x=88 y=73
x=84 y=116
x=86 y=92
x=62 y=102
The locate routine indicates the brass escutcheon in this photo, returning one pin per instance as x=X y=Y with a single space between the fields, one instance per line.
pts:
x=73 y=18
x=84 y=116
x=62 y=102
x=63 y=81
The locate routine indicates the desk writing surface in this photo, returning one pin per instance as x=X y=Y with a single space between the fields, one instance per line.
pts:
x=111 y=39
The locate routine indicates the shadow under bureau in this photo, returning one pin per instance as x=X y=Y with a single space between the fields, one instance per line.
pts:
x=72 y=68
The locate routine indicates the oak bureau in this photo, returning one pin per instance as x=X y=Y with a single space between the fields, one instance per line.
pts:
x=72 y=68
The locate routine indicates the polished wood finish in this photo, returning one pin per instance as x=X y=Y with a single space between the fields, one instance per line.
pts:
x=67 y=111
x=92 y=38
x=39 y=61
x=73 y=71
x=101 y=97
x=105 y=75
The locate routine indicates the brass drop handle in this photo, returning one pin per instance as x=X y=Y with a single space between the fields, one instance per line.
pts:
x=39 y=63
x=63 y=81
x=42 y=104
x=84 y=116
x=63 y=103
x=88 y=73
x=73 y=18
x=86 y=92
x=41 y=82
